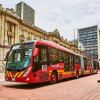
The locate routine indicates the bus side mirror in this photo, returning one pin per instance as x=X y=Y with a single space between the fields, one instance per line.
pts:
x=6 y=56
x=36 y=52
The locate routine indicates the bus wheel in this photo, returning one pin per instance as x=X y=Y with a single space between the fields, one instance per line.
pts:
x=77 y=74
x=53 y=78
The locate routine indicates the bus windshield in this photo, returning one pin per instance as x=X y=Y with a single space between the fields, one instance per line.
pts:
x=19 y=56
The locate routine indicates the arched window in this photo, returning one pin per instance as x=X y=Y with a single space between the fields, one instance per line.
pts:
x=10 y=28
x=34 y=37
x=28 y=34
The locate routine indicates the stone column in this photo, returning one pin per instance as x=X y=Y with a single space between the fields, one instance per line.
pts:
x=12 y=39
x=12 y=28
x=2 y=38
x=31 y=35
x=37 y=37
x=19 y=33
x=6 y=38
x=16 y=34
x=25 y=34
x=0 y=43
x=2 y=31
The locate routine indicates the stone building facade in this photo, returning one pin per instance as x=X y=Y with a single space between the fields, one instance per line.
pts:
x=14 y=30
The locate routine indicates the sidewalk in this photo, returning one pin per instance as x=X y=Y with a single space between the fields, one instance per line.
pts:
x=2 y=78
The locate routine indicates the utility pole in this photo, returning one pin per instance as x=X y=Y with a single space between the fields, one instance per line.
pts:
x=77 y=40
x=74 y=40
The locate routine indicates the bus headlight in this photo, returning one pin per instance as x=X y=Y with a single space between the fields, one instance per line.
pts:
x=27 y=72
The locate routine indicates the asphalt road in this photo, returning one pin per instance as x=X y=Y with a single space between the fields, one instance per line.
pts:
x=84 y=88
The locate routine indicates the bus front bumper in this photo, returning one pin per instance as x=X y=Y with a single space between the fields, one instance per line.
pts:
x=19 y=79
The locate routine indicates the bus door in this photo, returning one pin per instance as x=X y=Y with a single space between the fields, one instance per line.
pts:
x=41 y=63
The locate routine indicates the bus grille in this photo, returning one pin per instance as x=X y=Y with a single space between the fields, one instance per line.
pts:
x=44 y=76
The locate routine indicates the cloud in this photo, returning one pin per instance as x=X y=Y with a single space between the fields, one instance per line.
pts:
x=64 y=15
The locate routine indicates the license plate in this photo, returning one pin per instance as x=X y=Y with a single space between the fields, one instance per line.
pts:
x=13 y=79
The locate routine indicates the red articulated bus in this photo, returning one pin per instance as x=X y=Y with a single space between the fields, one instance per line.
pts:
x=41 y=61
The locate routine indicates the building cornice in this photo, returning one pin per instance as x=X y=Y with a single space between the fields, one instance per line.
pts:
x=88 y=27
x=14 y=15
x=6 y=46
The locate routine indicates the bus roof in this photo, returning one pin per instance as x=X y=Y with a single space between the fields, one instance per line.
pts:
x=48 y=43
x=87 y=57
x=95 y=60
x=52 y=44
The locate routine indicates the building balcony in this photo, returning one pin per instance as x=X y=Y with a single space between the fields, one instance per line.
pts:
x=21 y=37
x=28 y=38
x=9 y=33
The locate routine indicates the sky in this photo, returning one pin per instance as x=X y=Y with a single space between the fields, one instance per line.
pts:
x=63 y=15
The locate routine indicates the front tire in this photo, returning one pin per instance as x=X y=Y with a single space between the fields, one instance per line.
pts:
x=53 y=78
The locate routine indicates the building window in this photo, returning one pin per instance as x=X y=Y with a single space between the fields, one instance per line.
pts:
x=34 y=37
x=28 y=34
x=40 y=38
x=9 y=40
x=10 y=28
x=22 y=32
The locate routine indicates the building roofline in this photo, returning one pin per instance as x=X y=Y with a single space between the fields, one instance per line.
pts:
x=87 y=27
x=5 y=11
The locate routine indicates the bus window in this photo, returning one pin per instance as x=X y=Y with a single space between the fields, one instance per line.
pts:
x=43 y=54
x=71 y=57
x=85 y=64
x=53 y=56
x=72 y=64
x=97 y=65
x=61 y=57
x=94 y=64
x=89 y=62
x=66 y=61
x=77 y=60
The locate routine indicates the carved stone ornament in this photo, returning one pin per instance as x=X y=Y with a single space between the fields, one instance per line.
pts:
x=28 y=38
x=11 y=10
x=10 y=34
x=21 y=37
